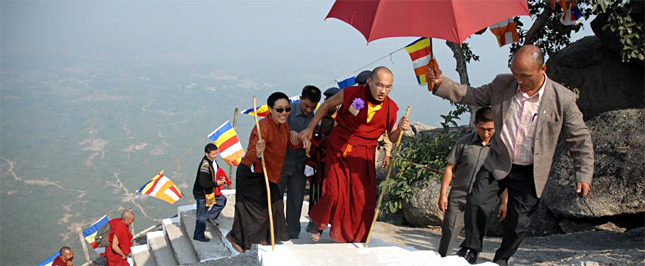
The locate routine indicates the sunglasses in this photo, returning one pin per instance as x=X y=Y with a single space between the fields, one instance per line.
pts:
x=280 y=109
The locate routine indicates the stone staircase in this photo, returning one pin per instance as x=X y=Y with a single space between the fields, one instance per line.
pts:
x=174 y=245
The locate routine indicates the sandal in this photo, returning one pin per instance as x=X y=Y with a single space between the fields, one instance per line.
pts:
x=314 y=234
x=235 y=245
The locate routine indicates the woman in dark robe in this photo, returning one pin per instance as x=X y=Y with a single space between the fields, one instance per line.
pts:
x=251 y=220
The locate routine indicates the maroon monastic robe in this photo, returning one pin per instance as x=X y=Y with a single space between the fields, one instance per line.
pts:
x=59 y=262
x=122 y=232
x=349 y=189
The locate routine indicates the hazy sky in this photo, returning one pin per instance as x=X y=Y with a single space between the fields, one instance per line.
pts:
x=282 y=45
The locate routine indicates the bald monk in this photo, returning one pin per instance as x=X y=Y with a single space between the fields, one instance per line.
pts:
x=120 y=240
x=65 y=258
x=349 y=190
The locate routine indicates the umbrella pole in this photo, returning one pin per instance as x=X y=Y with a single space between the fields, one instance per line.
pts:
x=266 y=178
x=385 y=185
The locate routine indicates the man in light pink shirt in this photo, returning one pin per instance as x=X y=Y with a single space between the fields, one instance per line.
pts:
x=530 y=112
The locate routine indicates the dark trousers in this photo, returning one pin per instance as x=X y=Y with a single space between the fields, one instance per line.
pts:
x=453 y=222
x=295 y=183
x=522 y=203
x=203 y=214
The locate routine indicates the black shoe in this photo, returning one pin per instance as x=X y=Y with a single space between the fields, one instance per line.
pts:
x=462 y=252
x=293 y=236
x=472 y=256
x=213 y=223
x=205 y=239
x=468 y=254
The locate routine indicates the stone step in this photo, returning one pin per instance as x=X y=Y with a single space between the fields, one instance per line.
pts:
x=142 y=256
x=179 y=242
x=214 y=249
x=350 y=254
x=162 y=252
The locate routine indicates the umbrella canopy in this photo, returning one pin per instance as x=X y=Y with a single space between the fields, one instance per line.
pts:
x=451 y=20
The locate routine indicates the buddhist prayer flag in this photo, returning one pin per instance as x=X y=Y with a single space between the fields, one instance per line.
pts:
x=162 y=188
x=351 y=81
x=90 y=233
x=505 y=31
x=49 y=261
x=421 y=54
x=228 y=143
x=263 y=110
x=572 y=15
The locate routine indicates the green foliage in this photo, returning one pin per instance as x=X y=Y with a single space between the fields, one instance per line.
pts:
x=554 y=36
x=630 y=30
x=419 y=160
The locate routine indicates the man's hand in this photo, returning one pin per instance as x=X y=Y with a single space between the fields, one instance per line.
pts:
x=386 y=162
x=582 y=189
x=503 y=205
x=259 y=147
x=501 y=214
x=70 y=263
x=293 y=137
x=404 y=124
x=443 y=203
x=305 y=137
x=434 y=75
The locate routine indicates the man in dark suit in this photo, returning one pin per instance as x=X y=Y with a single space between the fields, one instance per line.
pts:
x=529 y=112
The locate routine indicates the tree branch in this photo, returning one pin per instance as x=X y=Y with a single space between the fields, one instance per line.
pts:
x=539 y=24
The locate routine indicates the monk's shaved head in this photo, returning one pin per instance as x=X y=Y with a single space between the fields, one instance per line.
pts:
x=65 y=250
x=378 y=69
x=127 y=215
x=66 y=253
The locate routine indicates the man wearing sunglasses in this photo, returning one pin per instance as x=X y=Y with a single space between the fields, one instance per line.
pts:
x=293 y=178
x=348 y=201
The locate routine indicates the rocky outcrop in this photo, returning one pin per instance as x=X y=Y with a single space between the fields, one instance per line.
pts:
x=422 y=209
x=618 y=187
x=604 y=82
x=617 y=200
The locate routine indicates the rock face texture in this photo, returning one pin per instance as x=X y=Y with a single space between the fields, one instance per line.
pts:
x=422 y=209
x=604 y=82
x=618 y=187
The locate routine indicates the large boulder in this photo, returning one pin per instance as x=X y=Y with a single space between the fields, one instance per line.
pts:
x=618 y=186
x=422 y=209
x=605 y=83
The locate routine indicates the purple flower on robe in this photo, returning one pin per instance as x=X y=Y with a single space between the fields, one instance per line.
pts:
x=358 y=103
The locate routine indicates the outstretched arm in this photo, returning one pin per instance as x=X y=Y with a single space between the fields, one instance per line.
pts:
x=305 y=135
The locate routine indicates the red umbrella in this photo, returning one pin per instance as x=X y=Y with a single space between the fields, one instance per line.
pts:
x=451 y=20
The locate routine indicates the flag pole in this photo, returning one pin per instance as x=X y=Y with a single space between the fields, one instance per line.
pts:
x=266 y=178
x=235 y=112
x=85 y=252
x=385 y=185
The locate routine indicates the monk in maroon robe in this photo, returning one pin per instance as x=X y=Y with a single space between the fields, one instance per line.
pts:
x=65 y=258
x=349 y=190
x=120 y=240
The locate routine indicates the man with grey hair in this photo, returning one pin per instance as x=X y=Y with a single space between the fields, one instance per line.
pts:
x=529 y=112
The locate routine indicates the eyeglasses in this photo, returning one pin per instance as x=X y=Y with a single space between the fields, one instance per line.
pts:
x=280 y=109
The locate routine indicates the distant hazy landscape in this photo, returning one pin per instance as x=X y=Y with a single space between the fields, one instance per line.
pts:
x=80 y=135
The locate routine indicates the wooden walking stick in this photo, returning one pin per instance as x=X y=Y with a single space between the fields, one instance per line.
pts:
x=385 y=185
x=266 y=178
